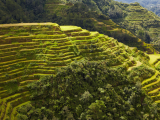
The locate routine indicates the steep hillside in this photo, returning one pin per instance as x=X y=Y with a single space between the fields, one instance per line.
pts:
x=86 y=16
x=141 y=21
x=79 y=14
x=31 y=51
x=133 y=17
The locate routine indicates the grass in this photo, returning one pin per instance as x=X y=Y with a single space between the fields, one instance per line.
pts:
x=70 y=28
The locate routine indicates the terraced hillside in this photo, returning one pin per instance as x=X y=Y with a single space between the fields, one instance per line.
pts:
x=133 y=17
x=151 y=85
x=140 y=19
x=31 y=50
x=79 y=14
x=55 y=6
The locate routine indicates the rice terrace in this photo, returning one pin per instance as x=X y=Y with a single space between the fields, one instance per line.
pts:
x=29 y=52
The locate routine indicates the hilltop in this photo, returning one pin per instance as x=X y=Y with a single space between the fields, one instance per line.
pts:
x=47 y=68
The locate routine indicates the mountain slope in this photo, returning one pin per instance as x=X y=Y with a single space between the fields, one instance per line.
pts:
x=30 y=51
x=145 y=3
x=151 y=5
x=133 y=17
x=79 y=14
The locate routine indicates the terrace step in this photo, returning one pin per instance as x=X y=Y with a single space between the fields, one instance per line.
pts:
x=13 y=103
x=29 y=38
x=158 y=101
x=52 y=40
x=26 y=82
x=11 y=61
x=60 y=48
x=8 y=99
x=157 y=63
x=19 y=78
x=17 y=39
x=11 y=76
x=154 y=91
x=80 y=33
x=4 y=26
x=10 y=49
x=8 y=53
x=9 y=66
x=153 y=83
x=1 y=88
x=7 y=58
x=62 y=58
x=66 y=29
x=48 y=32
x=156 y=97
x=14 y=111
x=42 y=74
x=3 y=91
x=149 y=79
x=138 y=63
x=3 y=46
x=12 y=71
x=154 y=58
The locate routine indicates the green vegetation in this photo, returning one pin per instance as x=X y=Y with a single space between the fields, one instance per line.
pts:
x=151 y=5
x=61 y=71
x=15 y=11
x=92 y=91
x=139 y=21
x=80 y=15
x=66 y=72
x=86 y=15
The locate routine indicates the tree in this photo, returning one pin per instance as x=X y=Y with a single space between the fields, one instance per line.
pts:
x=21 y=117
x=97 y=110
x=86 y=96
x=66 y=114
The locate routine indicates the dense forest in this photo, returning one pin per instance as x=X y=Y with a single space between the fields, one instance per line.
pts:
x=87 y=90
x=15 y=11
